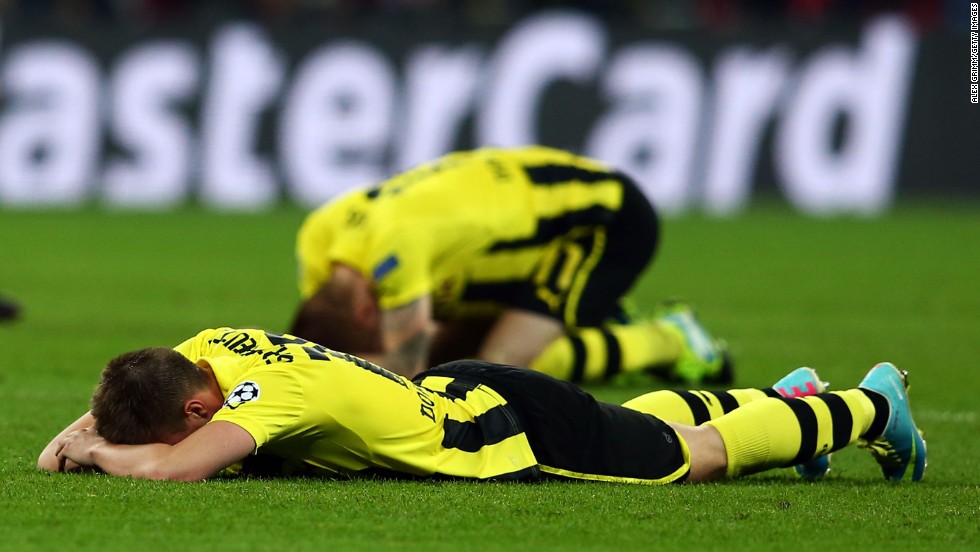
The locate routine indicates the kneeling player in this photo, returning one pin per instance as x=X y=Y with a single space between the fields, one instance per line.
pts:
x=517 y=256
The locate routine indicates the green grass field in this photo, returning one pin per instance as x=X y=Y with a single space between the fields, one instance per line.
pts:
x=784 y=290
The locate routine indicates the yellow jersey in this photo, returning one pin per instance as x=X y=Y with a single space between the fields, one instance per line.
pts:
x=469 y=228
x=341 y=415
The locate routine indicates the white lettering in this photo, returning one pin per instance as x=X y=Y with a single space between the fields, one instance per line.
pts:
x=870 y=88
x=440 y=87
x=652 y=131
x=747 y=86
x=540 y=50
x=336 y=121
x=346 y=116
x=246 y=75
x=145 y=85
x=49 y=134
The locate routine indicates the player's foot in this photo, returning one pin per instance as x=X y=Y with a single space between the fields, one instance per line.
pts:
x=804 y=382
x=8 y=310
x=901 y=445
x=703 y=358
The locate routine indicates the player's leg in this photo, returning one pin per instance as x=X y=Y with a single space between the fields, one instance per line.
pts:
x=597 y=346
x=526 y=338
x=572 y=435
x=708 y=457
x=697 y=407
x=778 y=432
x=599 y=353
x=518 y=336
x=457 y=339
x=694 y=408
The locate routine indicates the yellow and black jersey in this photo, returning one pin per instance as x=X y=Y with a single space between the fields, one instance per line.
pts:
x=340 y=415
x=477 y=230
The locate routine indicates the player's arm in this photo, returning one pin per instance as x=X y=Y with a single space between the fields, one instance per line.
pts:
x=202 y=454
x=406 y=334
x=48 y=460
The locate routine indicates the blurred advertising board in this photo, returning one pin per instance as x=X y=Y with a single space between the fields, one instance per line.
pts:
x=238 y=116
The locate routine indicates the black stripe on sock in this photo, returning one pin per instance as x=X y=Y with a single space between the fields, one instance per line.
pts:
x=578 y=358
x=727 y=401
x=770 y=392
x=882 y=413
x=698 y=409
x=614 y=355
x=841 y=418
x=808 y=430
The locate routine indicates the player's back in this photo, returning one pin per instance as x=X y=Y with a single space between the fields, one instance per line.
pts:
x=340 y=414
x=498 y=194
x=488 y=217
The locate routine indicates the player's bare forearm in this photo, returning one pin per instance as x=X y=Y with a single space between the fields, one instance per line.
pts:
x=410 y=357
x=202 y=454
x=139 y=461
x=407 y=336
x=48 y=459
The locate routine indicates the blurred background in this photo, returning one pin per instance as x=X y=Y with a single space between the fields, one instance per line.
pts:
x=828 y=106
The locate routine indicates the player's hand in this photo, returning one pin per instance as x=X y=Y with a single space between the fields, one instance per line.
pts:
x=75 y=449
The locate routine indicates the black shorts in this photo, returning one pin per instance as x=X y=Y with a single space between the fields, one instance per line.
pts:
x=575 y=436
x=609 y=258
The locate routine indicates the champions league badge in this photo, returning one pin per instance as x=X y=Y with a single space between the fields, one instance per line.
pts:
x=246 y=391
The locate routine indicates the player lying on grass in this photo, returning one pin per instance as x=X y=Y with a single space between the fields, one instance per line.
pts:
x=517 y=256
x=189 y=413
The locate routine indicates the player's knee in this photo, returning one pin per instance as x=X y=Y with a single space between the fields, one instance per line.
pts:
x=503 y=355
x=709 y=459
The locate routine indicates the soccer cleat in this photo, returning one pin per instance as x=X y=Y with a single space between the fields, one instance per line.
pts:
x=901 y=445
x=8 y=310
x=703 y=358
x=803 y=382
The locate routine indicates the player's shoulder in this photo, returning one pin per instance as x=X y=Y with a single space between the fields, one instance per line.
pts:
x=243 y=342
x=198 y=344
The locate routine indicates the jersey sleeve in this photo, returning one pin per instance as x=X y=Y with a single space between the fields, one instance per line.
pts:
x=268 y=404
x=401 y=268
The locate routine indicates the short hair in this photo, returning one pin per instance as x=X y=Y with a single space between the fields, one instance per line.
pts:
x=327 y=318
x=140 y=397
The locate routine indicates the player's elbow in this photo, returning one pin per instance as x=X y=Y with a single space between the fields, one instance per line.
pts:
x=47 y=462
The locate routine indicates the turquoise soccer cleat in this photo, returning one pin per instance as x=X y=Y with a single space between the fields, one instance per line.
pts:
x=803 y=382
x=901 y=445
x=703 y=359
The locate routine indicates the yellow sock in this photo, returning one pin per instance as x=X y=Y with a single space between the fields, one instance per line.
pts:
x=595 y=354
x=777 y=432
x=695 y=407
